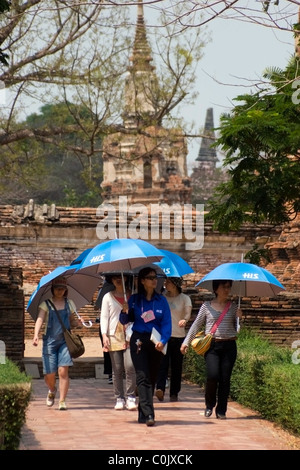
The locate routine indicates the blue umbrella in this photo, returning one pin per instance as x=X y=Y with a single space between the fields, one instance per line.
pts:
x=248 y=280
x=80 y=257
x=81 y=288
x=120 y=255
x=173 y=265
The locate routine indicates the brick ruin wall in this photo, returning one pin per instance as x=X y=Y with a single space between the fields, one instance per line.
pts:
x=34 y=243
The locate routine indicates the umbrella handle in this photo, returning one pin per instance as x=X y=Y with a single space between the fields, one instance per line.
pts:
x=238 y=320
x=124 y=288
x=87 y=325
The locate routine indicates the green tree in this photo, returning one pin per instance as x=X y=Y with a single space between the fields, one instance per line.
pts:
x=261 y=142
x=78 y=52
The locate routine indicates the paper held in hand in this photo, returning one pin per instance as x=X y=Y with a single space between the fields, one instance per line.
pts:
x=155 y=337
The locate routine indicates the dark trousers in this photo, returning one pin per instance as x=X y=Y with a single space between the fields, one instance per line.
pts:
x=173 y=360
x=219 y=359
x=146 y=362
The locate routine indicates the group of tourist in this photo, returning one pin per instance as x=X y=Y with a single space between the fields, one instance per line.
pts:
x=144 y=335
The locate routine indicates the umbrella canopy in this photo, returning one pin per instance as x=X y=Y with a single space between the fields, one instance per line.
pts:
x=81 y=288
x=248 y=280
x=80 y=257
x=173 y=265
x=120 y=254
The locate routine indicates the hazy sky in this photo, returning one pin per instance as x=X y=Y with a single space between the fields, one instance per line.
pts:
x=233 y=62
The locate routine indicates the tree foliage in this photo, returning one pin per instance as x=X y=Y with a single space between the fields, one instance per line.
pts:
x=77 y=52
x=261 y=142
x=276 y=14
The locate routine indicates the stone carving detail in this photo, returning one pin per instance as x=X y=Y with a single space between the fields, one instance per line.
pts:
x=36 y=213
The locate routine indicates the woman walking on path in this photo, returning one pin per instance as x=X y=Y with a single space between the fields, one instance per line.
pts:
x=147 y=310
x=55 y=352
x=181 y=308
x=221 y=356
x=116 y=343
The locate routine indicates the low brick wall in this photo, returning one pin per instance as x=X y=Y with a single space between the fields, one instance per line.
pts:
x=12 y=312
x=82 y=368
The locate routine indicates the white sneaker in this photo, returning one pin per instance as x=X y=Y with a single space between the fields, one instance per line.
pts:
x=131 y=403
x=62 y=405
x=50 y=398
x=120 y=405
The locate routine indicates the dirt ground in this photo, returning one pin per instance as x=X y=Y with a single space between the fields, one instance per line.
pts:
x=92 y=348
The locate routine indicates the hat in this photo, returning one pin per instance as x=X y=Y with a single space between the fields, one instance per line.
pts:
x=177 y=281
x=59 y=282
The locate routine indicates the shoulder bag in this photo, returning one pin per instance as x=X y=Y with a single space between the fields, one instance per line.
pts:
x=74 y=341
x=201 y=343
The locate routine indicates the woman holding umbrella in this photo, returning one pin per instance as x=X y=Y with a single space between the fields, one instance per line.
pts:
x=221 y=356
x=56 y=356
x=147 y=310
x=115 y=342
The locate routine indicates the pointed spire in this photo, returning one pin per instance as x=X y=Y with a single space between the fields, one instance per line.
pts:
x=206 y=152
x=141 y=55
x=141 y=81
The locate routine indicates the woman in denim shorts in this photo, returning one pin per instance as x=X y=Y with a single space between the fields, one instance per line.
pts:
x=55 y=353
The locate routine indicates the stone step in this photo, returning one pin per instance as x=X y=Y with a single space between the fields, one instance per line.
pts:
x=86 y=367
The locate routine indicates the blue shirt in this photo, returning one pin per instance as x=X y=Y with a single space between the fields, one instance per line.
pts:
x=160 y=307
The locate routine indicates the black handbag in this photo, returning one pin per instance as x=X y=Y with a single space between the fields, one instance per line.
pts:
x=73 y=340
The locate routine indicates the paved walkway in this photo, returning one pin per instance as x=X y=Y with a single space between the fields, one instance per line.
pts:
x=91 y=423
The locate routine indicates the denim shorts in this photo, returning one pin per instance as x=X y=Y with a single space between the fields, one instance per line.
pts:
x=55 y=354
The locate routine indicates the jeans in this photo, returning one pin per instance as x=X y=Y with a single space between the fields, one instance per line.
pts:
x=121 y=362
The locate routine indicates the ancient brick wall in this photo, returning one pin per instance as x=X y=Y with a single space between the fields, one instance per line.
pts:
x=38 y=240
x=12 y=312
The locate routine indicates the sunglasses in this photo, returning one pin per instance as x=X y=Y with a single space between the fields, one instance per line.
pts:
x=151 y=278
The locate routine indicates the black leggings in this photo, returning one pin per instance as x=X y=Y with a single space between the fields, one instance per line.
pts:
x=220 y=359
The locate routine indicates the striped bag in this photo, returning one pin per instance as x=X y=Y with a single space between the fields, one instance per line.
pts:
x=201 y=342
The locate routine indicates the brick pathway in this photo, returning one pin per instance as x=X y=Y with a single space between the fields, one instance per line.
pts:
x=91 y=423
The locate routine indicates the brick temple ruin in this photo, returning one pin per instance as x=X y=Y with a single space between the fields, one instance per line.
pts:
x=145 y=168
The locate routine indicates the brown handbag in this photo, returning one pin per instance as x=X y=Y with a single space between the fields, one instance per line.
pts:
x=73 y=340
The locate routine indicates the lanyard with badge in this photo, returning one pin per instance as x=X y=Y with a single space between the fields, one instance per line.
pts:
x=149 y=314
